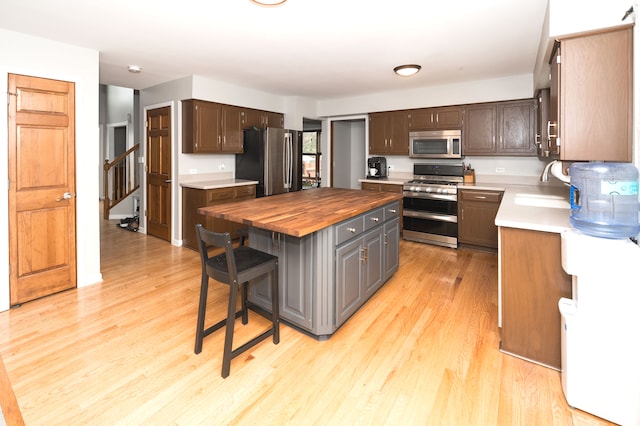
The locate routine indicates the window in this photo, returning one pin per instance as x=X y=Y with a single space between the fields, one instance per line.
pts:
x=311 y=159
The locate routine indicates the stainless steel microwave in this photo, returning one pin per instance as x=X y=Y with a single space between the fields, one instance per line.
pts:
x=435 y=144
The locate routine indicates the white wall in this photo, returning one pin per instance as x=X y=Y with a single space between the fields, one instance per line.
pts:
x=499 y=89
x=23 y=54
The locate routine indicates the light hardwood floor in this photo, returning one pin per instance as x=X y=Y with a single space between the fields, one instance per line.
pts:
x=423 y=350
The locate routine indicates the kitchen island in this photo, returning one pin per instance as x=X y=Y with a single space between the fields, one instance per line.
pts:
x=336 y=247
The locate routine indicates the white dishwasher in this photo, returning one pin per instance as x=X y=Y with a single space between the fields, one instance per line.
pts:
x=601 y=327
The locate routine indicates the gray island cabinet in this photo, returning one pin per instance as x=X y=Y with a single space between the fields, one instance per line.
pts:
x=336 y=248
x=327 y=275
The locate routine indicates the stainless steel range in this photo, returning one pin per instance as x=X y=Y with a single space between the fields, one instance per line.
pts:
x=430 y=204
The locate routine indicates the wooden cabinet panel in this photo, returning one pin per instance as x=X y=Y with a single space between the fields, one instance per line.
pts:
x=213 y=128
x=500 y=128
x=261 y=119
x=232 y=137
x=532 y=283
x=594 y=83
x=378 y=139
x=479 y=130
x=193 y=199
x=253 y=118
x=274 y=119
x=516 y=127
x=200 y=126
x=543 y=147
x=435 y=118
x=399 y=133
x=389 y=133
x=476 y=217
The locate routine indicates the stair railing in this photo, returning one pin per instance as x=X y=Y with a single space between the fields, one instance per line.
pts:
x=121 y=178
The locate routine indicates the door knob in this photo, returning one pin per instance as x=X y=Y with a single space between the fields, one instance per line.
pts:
x=65 y=196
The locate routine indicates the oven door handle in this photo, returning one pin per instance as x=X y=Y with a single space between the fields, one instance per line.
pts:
x=431 y=196
x=432 y=216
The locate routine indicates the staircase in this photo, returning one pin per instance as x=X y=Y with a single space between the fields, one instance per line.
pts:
x=121 y=178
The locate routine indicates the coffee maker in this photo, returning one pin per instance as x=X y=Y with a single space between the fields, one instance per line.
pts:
x=377 y=167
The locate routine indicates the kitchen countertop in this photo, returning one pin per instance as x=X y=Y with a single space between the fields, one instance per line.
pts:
x=212 y=181
x=222 y=183
x=303 y=212
x=545 y=219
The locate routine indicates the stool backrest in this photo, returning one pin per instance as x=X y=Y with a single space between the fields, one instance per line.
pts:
x=216 y=239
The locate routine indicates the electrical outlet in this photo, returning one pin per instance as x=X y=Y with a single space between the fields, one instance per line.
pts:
x=499 y=169
x=221 y=167
x=193 y=171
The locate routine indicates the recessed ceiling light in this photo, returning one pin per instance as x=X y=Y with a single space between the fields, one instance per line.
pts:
x=135 y=69
x=268 y=3
x=407 y=70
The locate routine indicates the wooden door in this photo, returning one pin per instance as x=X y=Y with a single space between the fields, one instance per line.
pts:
x=159 y=173
x=42 y=205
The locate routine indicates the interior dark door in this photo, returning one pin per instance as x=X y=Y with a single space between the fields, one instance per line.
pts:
x=159 y=173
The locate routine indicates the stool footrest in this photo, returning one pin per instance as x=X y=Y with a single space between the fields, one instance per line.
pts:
x=251 y=343
x=217 y=326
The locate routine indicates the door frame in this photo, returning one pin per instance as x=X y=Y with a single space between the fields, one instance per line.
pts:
x=330 y=160
x=176 y=213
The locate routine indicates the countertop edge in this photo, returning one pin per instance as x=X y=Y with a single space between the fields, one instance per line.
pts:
x=214 y=184
x=374 y=200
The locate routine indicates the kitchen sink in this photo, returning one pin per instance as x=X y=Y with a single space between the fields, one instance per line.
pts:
x=538 y=200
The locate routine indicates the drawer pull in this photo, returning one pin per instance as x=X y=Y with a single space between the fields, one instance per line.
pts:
x=375 y=219
x=352 y=230
x=393 y=211
x=480 y=197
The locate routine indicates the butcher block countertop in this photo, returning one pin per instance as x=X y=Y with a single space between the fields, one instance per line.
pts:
x=303 y=212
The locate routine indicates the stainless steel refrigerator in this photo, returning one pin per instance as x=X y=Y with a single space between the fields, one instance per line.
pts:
x=273 y=157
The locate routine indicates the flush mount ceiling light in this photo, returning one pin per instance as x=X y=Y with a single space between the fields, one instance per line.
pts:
x=134 y=69
x=268 y=3
x=407 y=70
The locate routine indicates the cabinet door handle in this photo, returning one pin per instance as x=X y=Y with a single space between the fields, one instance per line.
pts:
x=275 y=243
x=365 y=254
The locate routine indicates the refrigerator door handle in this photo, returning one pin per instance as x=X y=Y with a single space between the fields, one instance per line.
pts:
x=287 y=160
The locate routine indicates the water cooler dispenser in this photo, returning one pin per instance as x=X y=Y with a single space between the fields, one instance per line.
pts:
x=600 y=323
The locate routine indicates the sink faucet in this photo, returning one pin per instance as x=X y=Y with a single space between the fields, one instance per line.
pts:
x=544 y=177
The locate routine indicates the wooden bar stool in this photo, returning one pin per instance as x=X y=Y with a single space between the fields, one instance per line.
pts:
x=235 y=267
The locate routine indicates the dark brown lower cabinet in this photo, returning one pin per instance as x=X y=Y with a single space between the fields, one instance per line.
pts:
x=532 y=283
x=193 y=199
x=476 y=217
